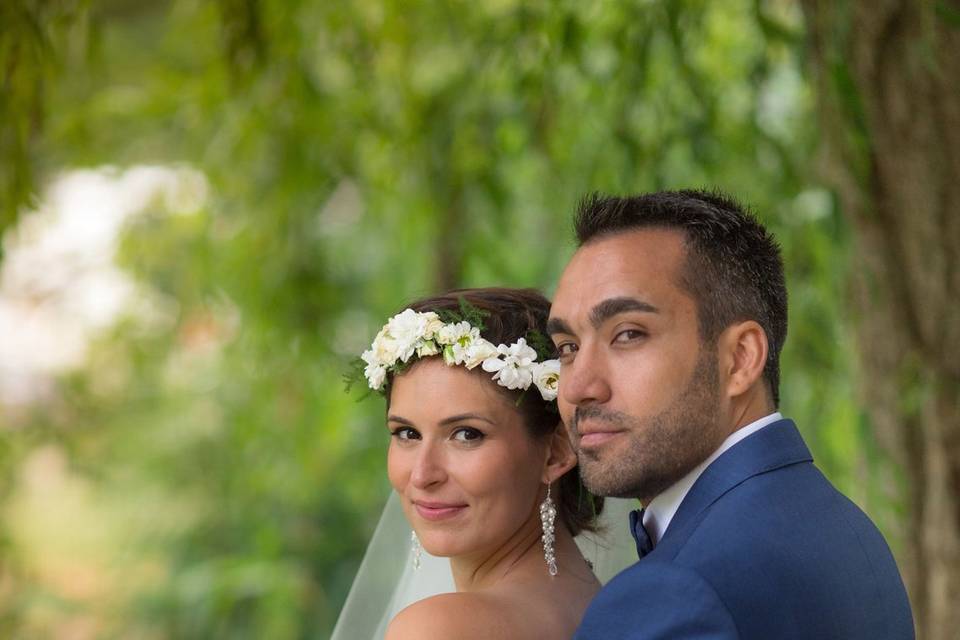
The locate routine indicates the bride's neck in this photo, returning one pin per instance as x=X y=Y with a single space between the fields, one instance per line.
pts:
x=481 y=570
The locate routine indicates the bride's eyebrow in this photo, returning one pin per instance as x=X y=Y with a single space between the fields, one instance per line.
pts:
x=465 y=416
x=451 y=420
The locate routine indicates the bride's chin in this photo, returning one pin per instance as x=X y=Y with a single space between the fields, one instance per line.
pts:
x=441 y=546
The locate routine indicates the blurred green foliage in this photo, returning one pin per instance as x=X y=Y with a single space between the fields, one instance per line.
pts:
x=359 y=154
x=30 y=32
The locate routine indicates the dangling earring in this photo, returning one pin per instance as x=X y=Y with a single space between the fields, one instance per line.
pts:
x=415 y=544
x=548 y=515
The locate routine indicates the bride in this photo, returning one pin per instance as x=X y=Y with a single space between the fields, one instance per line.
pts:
x=485 y=475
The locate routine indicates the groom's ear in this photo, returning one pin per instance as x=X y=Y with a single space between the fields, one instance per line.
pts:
x=560 y=455
x=743 y=356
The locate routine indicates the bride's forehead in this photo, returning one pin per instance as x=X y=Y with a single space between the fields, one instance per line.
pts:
x=430 y=385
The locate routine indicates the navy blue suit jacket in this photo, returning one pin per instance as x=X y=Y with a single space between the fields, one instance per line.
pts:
x=761 y=547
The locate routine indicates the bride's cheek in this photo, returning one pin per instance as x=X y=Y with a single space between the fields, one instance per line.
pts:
x=398 y=468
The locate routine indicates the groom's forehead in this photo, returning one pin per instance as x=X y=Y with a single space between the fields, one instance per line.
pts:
x=643 y=264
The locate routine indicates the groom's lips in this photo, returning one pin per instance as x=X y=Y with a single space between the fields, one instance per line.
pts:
x=594 y=428
x=437 y=510
x=596 y=437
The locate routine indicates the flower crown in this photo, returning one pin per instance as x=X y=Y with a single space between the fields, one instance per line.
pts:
x=425 y=334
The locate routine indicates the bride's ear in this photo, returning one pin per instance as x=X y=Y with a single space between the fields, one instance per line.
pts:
x=560 y=457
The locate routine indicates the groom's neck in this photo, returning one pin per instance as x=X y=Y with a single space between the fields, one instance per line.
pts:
x=746 y=409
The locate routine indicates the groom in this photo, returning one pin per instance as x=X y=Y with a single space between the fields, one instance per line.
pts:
x=669 y=320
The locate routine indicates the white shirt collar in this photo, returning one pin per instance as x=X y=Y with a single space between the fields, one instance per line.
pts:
x=660 y=511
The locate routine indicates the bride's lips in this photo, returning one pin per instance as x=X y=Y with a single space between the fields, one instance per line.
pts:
x=437 y=510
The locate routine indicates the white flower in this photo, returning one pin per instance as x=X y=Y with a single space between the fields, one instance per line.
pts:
x=424 y=334
x=376 y=374
x=477 y=352
x=456 y=340
x=448 y=356
x=457 y=333
x=469 y=351
x=433 y=324
x=407 y=328
x=407 y=325
x=515 y=370
x=546 y=375
x=445 y=334
x=514 y=378
x=519 y=353
x=384 y=349
x=427 y=348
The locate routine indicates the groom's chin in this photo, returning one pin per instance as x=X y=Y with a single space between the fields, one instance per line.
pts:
x=605 y=479
x=620 y=479
x=602 y=470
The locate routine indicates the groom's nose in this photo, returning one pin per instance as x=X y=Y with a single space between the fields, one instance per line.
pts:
x=585 y=380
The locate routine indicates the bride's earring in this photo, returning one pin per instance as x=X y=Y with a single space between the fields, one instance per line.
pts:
x=548 y=515
x=415 y=543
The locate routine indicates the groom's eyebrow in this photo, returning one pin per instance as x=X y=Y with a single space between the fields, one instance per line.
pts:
x=613 y=306
x=602 y=312
x=556 y=325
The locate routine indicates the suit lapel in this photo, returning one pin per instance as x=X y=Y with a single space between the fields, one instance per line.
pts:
x=773 y=447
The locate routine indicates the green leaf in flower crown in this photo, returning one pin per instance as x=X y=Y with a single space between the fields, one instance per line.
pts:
x=467 y=313
x=472 y=314
x=354 y=374
x=448 y=316
x=540 y=343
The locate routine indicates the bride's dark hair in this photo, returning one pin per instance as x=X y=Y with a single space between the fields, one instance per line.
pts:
x=513 y=314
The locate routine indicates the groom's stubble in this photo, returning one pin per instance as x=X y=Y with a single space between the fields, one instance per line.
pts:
x=656 y=451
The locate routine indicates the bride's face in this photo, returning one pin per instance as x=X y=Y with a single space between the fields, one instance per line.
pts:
x=461 y=460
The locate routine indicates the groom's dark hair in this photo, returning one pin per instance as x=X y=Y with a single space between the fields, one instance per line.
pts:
x=733 y=269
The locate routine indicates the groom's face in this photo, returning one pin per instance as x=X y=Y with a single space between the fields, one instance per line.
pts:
x=638 y=389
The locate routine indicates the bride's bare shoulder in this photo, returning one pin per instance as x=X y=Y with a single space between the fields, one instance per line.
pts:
x=451 y=615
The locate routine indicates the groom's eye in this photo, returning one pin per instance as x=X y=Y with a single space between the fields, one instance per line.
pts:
x=565 y=350
x=629 y=335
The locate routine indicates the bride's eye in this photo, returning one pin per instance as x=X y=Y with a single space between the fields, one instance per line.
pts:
x=468 y=434
x=405 y=433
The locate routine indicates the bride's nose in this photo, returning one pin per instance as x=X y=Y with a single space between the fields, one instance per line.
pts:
x=428 y=466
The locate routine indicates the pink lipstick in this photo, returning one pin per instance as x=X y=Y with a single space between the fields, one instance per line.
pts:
x=438 y=510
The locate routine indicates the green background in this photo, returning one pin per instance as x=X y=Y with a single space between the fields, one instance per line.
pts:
x=359 y=154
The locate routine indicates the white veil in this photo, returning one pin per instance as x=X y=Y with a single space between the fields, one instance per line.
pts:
x=386 y=582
